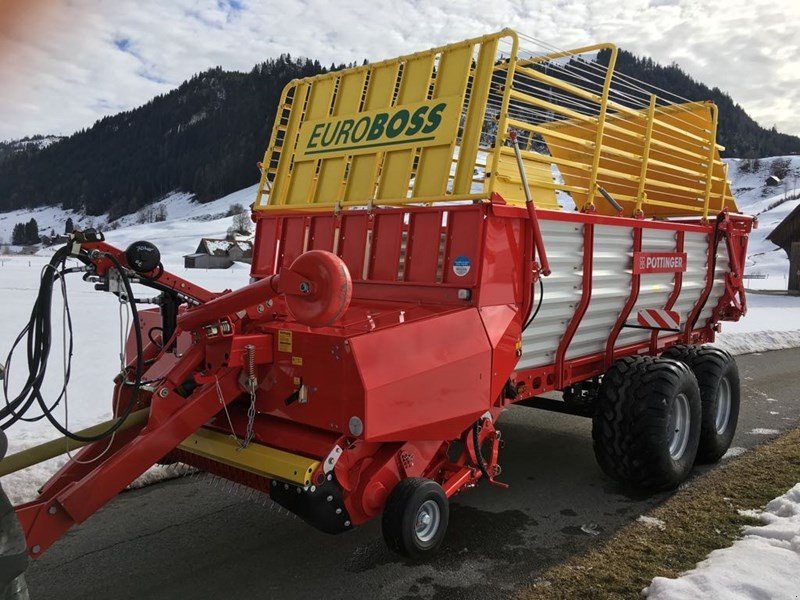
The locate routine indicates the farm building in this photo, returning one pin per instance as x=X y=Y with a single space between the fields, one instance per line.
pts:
x=787 y=236
x=218 y=254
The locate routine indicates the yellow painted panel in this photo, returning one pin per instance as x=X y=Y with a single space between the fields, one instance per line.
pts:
x=470 y=139
x=508 y=182
x=348 y=102
x=396 y=171
x=303 y=174
x=337 y=143
x=433 y=171
x=364 y=168
x=282 y=177
x=682 y=186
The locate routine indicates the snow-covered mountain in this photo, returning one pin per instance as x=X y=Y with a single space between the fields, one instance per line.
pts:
x=36 y=142
x=186 y=221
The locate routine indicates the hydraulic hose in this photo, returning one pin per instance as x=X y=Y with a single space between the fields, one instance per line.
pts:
x=38 y=332
x=476 y=429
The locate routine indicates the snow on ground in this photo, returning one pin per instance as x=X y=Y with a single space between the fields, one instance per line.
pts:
x=652 y=522
x=771 y=204
x=772 y=322
x=765 y=563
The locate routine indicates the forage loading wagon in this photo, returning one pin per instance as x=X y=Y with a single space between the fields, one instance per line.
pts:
x=438 y=236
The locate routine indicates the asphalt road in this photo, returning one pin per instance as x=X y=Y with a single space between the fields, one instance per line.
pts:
x=194 y=538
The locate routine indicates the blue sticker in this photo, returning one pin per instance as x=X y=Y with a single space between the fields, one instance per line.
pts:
x=461 y=265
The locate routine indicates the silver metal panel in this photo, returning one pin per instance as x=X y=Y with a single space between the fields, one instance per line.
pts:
x=562 y=292
x=694 y=279
x=611 y=286
x=723 y=266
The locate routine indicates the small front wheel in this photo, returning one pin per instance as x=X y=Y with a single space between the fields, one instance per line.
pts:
x=415 y=517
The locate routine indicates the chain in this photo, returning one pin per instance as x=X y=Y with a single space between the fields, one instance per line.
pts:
x=252 y=384
x=227 y=414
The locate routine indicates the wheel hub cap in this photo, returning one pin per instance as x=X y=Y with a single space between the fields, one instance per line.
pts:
x=427 y=521
x=678 y=424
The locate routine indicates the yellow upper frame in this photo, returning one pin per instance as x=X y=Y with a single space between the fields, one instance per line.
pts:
x=412 y=130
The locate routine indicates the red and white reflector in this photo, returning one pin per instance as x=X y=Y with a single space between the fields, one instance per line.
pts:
x=658 y=318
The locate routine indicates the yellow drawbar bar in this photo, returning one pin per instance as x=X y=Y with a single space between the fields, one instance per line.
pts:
x=255 y=458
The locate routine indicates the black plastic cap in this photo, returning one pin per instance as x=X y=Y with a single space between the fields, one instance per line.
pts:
x=142 y=256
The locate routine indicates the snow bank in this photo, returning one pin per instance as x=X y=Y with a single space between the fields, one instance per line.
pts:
x=765 y=563
x=759 y=341
x=772 y=323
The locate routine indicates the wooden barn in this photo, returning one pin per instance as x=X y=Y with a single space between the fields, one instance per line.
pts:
x=787 y=236
x=218 y=254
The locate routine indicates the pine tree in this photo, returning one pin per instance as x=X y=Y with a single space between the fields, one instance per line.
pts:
x=18 y=234
x=32 y=232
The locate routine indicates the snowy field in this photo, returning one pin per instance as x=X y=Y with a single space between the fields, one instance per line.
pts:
x=765 y=563
x=773 y=321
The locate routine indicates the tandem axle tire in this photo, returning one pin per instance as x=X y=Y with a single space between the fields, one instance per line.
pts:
x=718 y=378
x=647 y=425
x=415 y=517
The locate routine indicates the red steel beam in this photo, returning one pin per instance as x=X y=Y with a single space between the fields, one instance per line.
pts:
x=676 y=290
x=636 y=280
x=48 y=517
x=583 y=304
x=701 y=301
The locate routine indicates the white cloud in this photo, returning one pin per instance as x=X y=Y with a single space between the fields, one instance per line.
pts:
x=79 y=60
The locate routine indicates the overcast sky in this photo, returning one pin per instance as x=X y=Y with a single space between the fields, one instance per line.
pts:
x=66 y=63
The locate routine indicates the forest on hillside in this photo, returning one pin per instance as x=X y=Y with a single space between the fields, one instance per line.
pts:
x=206 y=137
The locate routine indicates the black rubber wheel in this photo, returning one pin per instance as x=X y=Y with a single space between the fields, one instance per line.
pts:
x=647 y=425
x=718 y=378
x=415 y=517
x=684 y=354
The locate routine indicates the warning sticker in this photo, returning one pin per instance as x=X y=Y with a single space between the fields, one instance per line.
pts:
x=461 y=265
x=284 y=340
x=297 y=361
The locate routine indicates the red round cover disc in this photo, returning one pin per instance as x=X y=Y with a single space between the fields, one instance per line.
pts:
x=331 y=289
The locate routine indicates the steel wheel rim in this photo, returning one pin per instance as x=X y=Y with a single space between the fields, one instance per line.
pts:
x=426 y=523
x=722 y=415
x=678 y=423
